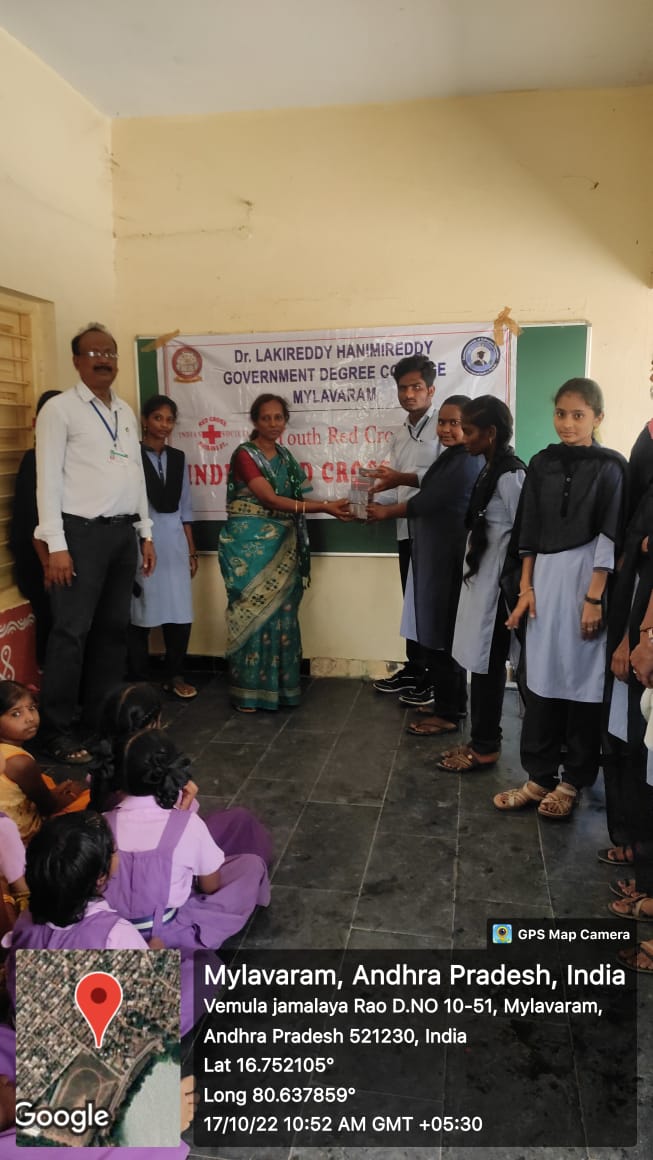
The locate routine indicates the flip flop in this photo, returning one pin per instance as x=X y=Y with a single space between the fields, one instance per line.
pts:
x=634 y=909
x=622 y=860
x=180 y=689
x=633 y=954
x=423 y=729
x=68 y=753
x=463 y=760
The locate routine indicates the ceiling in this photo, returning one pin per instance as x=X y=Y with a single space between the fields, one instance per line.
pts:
x=134 y=58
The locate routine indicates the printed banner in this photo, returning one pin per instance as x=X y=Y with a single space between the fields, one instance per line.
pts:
x=339 y=388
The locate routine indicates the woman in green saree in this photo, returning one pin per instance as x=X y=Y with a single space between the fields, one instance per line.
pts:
x=265 y=562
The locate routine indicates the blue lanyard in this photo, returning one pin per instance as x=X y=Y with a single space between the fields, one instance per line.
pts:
x=113 y=434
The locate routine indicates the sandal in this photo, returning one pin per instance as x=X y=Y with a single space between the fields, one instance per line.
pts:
x=627 y=908
x=66 y=752
x=181 y=689
x=432 y=727
x=617 y=856
x=463 y=759
x=243 y=709
x=559 y=803
x=627 y=888
x=631 y=959
x=517 y=799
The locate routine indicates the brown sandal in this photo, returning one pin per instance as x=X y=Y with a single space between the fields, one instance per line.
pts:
x=626 y=908
x=627 y=888
x=529 y=794
x=558 y=804
x=432 y=726
x=463 y=759
x=639 y=958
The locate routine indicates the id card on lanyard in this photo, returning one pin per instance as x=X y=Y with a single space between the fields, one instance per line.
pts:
x=115 y=456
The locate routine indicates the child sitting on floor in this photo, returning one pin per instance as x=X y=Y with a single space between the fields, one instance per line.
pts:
x=133 y=708
x=162 y=850
x=27 y=795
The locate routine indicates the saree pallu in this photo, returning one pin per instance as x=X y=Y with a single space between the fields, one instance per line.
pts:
x=259 y=562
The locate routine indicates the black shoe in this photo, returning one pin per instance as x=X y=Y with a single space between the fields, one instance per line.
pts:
x=403 y=681
x=418 y=696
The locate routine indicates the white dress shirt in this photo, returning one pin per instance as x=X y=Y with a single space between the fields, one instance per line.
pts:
x=414 y=448
x=88 y=463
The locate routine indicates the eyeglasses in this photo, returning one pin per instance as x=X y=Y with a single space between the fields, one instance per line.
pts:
x=112 y=355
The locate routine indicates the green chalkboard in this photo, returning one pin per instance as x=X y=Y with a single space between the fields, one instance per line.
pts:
x=546 y=356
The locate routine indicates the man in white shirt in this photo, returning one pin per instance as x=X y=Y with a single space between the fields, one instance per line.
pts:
x=413 y=450
x=90 y=497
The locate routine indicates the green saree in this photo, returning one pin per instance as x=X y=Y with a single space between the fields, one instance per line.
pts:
x=265 y=562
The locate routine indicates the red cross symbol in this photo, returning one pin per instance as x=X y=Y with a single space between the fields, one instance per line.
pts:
x=211 y=434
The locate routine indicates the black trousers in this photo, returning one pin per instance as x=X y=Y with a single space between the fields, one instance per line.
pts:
x=413 y=650
x=89 y=624
x=548 y=725
x=487 y=691
x=449 y=680
x=175 y=638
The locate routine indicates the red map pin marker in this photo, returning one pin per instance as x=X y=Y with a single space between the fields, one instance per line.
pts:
x=98 y=997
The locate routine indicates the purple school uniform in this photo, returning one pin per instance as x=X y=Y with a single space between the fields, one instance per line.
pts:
x=91 y=933
x=237 y=831
x=141 y=889
x=9 y=1150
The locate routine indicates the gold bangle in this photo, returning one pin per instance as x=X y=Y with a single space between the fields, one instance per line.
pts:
x=531 y=589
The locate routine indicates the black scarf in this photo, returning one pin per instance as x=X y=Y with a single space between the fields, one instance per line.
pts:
x=570 y=496
x=164 y=497
x=503 y=461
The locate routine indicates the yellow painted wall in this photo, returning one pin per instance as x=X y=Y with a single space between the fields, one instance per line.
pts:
x=56 y=213
x=422 y=212
x=56 y=217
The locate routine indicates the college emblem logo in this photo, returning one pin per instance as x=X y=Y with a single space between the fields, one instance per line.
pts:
x=480 y=356
x=212 y=434
x=187 y=365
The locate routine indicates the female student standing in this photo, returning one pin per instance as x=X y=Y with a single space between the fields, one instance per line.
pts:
x=570 y=522
x=436 y=519
x=164 y=598
x=481 y=637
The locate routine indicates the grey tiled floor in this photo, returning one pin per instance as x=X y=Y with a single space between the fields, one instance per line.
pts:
x=376 y=848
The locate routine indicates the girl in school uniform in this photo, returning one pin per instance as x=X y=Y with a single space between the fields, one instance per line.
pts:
x=570 y=523
x=130 y=709
x=164 y=598
x=69 y=865
x=481 y=637
x=436 y=520
x=163 y=850
x=27 y=795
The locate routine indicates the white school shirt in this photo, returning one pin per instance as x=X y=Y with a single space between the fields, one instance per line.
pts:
x=81 y=470
x=414 y=448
